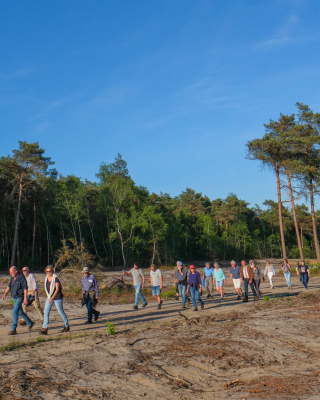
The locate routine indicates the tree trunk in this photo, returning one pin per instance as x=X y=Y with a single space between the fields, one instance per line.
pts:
x=154 y=242
x=15 y=242
x=74 y=231
x=314 y=225
x=48 y=241
x=283 y=244
x=294 y=216
x=34 y=233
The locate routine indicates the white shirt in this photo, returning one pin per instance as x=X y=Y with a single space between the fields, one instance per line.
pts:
x=32 y=283
x=245 y=272
x=155 y=275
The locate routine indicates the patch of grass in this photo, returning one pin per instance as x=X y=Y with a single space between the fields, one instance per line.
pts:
x=115 y=290
x=110 y=328
x=169 y=294
x=123 y=301
x=265 y=298
x=12 y=302
x=274 y=296
x=75 y=289
x=41 y=339
x=14 y=344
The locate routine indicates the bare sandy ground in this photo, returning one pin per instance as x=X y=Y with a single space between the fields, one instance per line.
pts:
x=229 y=350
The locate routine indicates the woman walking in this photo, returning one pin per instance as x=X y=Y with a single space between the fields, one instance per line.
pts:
x=195 y=287
x=220 y=278
x=54 y=295
x=269 y=270
x=257 y=277
x=286 y=268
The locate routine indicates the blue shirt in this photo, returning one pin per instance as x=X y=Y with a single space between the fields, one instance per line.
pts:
x=18 y=286
x=208 y=272
x=90 y=284
x=235 y=272
x=219 y=275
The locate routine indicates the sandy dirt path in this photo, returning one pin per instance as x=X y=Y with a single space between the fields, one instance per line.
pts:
x=229 y=350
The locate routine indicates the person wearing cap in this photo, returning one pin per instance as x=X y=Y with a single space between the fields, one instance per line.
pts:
x=235 y=278
x=208 y=277
x=195 y=287
x=247 y=278
x=90 y=292
x=181 y=282
x=19 y=292
x=220 y=279
x=33 y=296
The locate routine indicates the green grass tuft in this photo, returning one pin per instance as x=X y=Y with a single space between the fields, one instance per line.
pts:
x=265 y=298
x=110 y=328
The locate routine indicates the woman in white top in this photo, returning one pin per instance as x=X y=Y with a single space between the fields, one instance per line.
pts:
x=269 y=270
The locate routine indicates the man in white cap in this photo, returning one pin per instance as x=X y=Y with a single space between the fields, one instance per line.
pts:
x=90 y=291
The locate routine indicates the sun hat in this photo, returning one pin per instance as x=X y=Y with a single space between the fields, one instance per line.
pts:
x=86 y=269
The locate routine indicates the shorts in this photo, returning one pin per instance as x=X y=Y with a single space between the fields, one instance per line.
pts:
x=237 y=283
x=219 y=283
x=156 y=290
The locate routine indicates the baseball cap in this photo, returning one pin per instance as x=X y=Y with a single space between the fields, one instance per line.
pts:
x=179 y=263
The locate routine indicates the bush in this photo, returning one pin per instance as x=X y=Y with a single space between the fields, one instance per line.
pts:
x=265 y=298
x=169 y=294
x=110 y=328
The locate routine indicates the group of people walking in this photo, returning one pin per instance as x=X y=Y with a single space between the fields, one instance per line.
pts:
x=24 y=288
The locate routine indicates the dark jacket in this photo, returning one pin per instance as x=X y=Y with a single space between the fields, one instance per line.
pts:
x=18 y=286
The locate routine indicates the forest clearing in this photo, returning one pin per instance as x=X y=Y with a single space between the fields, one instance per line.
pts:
x=258 y=350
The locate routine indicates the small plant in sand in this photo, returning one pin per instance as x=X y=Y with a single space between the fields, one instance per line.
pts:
x=265 y=298
x=110 y=328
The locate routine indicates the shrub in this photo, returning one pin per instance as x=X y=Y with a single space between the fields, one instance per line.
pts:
x=169 y=294
x=110 y=328
x=265 y=298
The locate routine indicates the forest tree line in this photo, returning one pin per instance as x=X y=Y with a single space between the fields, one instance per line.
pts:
x=47 y=218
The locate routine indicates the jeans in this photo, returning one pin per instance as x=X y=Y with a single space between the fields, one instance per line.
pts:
x=17 y=311
x=182 y=292
x=91 y=310
x=47 y=308
x=138 y=294
x=304 y=280
x=246 y=284
x=195 y=294
x=287 y=275
x=257 y=285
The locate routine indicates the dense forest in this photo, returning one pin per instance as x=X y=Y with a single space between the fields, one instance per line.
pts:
x=48 y=218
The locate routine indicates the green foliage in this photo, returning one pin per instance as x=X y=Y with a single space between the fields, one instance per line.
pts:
x=115 y=290
x=110 y=328
x=41 y=339
x=12 y=302
x=265 y=298
x=169 y=293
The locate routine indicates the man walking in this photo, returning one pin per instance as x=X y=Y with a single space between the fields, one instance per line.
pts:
x=33 y=296
x=235 y=278
x=156 y=283
x=247 y=277
x=208 y=276
x=181 y=282
x=90 y=292
x=19 y=292
x=138 y=283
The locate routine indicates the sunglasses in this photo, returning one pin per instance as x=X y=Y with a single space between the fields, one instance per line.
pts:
x=24 y=270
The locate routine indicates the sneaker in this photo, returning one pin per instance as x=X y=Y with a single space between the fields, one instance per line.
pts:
x=12 y=332
x=195 y=309
x=23 y=322
x=96 y=317
x=245 y=300
x=188 y=301
x=184 y=306
x=202 y=306
x=65 y=329
x=44 y=331
x=177 y=298
x=159 y=306
x=135 y=307
x=88 y=322
x=30 y=326
x=208 y=296
x=144 y=304
x=239 y=298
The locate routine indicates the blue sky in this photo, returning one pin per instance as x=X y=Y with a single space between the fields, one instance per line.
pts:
x=177 y=87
